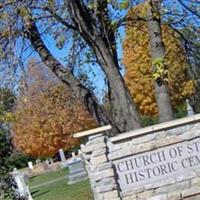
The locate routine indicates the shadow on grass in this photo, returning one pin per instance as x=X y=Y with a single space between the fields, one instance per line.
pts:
x=32 y=177
x=37 y=193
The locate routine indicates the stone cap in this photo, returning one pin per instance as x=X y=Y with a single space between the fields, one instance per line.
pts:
x=156 y=128
x=92 y=131
x=141 y=131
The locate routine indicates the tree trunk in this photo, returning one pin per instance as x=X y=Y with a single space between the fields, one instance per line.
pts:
x=157 y=50
x=124 y=113
x=66 y=76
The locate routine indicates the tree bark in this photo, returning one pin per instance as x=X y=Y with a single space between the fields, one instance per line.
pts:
x=124 y=115
x=66 y=76
x=157 y=50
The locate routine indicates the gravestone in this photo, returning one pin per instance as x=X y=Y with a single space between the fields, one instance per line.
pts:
x=50 y=161
x=77 y=170
x=73 y=155
x=62 y=155
x=62 y=158
x=38 y=161
x=22 y=190
x=45 y=165
x=190 y=110
x=30 y=165
x=79 y=152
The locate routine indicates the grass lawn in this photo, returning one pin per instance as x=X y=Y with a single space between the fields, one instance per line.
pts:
x=58 y=190
x=35 y=180
x=62 y=191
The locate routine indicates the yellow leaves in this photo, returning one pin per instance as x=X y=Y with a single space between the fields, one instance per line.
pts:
x=160 y=72
x=51 y=2
x=189 y=88
x=138 y=64
x=139 y=10
x=3 y=16
x=124 y=4
x=7 y=117
x=156 y=15
x=92 y=5
x=23 y=11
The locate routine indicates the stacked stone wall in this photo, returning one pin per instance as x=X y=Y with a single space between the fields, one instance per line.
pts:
x=102 y=153
x=100 y=169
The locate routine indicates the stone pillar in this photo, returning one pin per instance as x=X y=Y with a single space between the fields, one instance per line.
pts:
x=62 y=155
x=100 y=171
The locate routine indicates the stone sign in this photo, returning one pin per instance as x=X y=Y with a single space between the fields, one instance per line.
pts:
x=160 y=164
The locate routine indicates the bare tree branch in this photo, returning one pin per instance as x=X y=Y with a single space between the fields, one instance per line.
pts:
x=188 y=8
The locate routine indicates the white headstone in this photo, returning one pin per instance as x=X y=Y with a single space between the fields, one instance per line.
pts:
x=38 y=161
x=79 y=152
x=73 y=155
x=190 y=110
x=50 y=161
x=22 y=189
x=47 y=162
x=62 y=155
x=29 y=194
x=30 y=165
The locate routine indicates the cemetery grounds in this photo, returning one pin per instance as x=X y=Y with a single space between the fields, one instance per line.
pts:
x=53 y=185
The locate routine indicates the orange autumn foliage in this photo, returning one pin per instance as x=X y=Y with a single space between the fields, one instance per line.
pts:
x=138 y=64
x=47 y=118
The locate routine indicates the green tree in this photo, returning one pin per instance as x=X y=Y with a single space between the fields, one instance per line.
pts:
x=6 y=104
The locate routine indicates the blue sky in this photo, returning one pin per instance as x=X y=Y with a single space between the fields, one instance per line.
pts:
x=99 y=79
